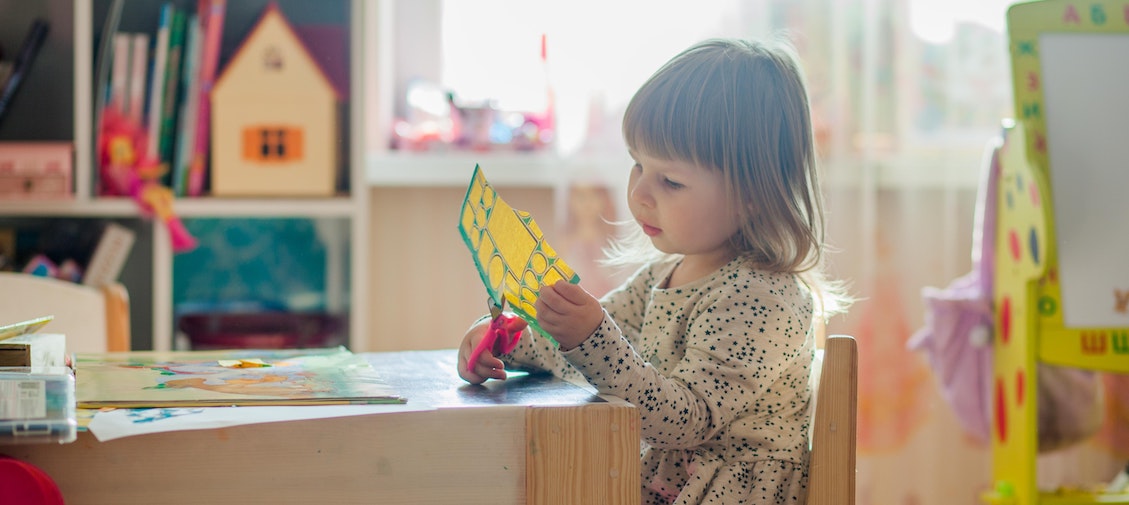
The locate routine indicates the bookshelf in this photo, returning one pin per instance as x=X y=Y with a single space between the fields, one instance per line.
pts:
x=57 y=102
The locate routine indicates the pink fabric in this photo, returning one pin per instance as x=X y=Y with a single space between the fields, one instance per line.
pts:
x=958 y=321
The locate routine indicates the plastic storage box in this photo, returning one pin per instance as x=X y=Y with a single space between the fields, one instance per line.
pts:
x=37 y=404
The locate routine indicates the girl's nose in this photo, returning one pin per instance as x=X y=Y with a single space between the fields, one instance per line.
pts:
x=639 y=191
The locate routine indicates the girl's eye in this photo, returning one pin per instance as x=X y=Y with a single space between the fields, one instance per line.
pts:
x=637 y=168
x=672 y=184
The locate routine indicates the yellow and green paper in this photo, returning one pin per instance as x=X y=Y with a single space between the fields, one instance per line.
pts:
x=509 y=250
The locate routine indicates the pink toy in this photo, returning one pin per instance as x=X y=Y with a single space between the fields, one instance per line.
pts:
x=125 y=172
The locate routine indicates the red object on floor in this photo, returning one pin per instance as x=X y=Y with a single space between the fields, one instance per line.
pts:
x=25 y=483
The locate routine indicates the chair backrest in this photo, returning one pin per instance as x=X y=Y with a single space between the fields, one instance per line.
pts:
x=831 y=470
x=93 y=319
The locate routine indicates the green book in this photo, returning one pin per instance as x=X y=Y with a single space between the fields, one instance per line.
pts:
x=170 y=104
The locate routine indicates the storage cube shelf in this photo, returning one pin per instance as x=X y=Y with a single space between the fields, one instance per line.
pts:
x=58 y=103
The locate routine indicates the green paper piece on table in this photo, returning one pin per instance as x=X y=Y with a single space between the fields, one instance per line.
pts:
x=511 y=254
x=24 y=327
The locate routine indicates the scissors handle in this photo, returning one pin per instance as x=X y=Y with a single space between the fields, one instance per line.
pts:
x=506 y=327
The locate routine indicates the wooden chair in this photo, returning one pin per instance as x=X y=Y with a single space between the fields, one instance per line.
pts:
x=831 y=471
x=93 y=319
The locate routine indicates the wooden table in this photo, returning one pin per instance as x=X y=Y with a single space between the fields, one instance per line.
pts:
x=532 y=439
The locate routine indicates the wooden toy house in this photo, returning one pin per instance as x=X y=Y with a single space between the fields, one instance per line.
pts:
x=275 y=117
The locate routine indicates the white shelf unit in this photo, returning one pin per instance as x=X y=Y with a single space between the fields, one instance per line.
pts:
x=544 y=170
x=342 y=265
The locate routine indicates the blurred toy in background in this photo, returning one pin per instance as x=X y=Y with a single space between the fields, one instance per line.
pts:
x=126 y=171
x=42 y=266
x=437 y=119
x=432 y=121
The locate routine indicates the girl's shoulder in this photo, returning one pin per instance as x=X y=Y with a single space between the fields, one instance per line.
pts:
x=743 y=275
x=653 y=272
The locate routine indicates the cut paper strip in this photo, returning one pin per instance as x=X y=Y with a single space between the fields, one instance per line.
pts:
x=509 y=250
x=243 y=363
x=24 y=327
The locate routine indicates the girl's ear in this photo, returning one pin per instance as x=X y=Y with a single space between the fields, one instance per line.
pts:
x=751 y=210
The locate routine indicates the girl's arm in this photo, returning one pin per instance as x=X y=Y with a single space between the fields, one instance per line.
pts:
x=534 y=352
x=739 y=352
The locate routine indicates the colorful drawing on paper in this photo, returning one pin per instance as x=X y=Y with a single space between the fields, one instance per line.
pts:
x=511 y=254
x=145 y=416
x=198 y=379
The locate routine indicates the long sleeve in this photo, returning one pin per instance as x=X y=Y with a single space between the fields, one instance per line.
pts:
x=534 y=352
x=708 y=357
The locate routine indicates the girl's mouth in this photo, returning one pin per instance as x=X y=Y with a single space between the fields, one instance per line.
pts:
x=651 y=231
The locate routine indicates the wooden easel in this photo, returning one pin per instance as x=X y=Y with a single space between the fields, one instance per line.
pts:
x=1028 y=298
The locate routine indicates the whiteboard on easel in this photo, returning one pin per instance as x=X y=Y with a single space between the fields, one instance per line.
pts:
x=1086 y=105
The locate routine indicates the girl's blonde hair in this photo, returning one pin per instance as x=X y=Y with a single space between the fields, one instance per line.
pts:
x=740 y=107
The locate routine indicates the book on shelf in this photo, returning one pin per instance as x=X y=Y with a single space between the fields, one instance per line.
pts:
x=171 y=79
x=157 y=82
x=170 y=105
x=211 y=14
x=138 y=68
x=120 y=73
x=128 y=77
x=189 y=98
x=34 y=349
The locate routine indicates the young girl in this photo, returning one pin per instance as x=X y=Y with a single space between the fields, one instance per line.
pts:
x=712 y=339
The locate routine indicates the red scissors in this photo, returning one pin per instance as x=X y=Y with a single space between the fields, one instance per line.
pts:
x=501 y=336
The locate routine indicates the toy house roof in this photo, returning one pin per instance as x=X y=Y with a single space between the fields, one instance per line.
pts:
x=271 y=14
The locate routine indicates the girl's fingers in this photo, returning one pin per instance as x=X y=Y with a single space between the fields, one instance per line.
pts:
x=549 y=300
x=464 y=371
x=487 y=367
x=490 y=367
x=571 y=293
x=467 y=372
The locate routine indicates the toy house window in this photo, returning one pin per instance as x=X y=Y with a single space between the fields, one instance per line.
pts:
x=272 y=59
x=272 y=144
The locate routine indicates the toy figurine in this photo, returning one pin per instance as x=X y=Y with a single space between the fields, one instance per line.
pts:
x=127 y=171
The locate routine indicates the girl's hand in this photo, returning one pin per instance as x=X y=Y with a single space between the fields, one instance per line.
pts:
x=488 y=366
x=568 y=313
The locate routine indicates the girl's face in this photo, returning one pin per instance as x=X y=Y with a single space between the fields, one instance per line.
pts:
x=683 y=207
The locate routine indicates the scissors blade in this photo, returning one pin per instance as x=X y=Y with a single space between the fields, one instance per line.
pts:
x=496 y=308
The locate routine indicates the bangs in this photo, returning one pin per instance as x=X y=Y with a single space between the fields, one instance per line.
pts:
x=682 y=113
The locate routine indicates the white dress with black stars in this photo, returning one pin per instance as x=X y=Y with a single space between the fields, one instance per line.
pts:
x=719 y=369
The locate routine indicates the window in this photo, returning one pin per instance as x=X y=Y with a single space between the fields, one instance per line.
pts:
x=914 y=87
x=272 y=144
